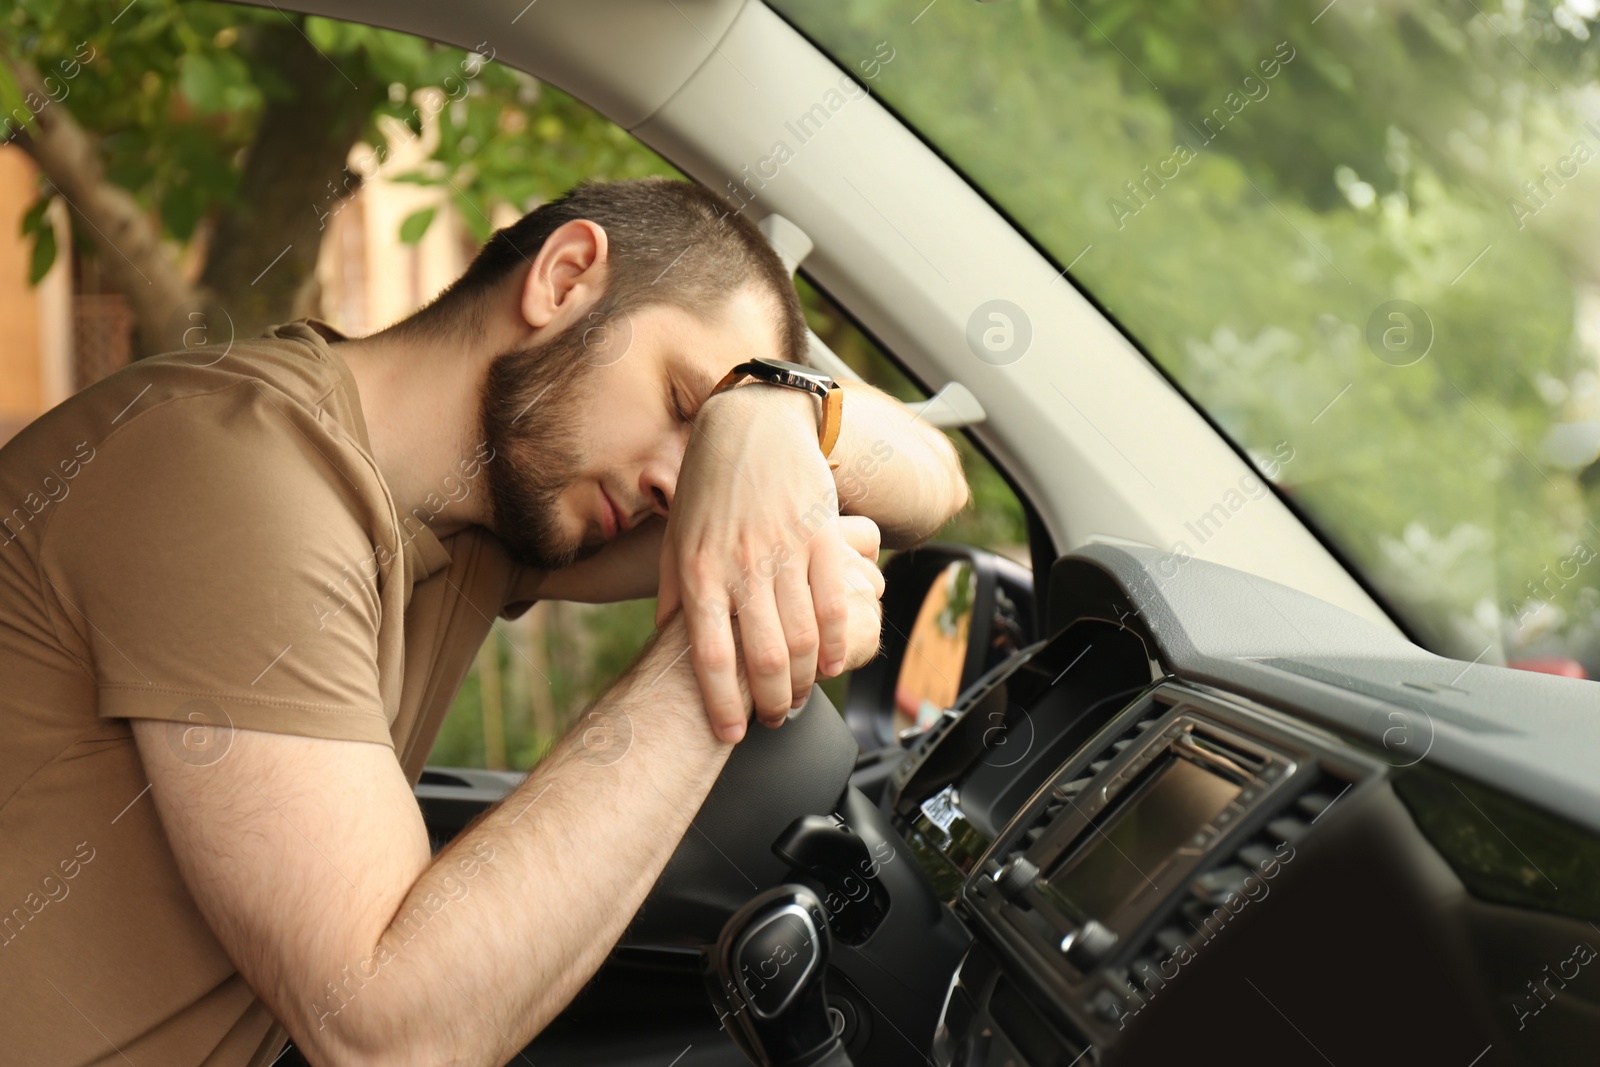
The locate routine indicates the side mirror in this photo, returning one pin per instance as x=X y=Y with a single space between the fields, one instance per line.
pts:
x=950 y=613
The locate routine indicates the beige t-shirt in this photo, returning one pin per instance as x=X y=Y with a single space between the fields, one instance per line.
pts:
x=202 y=537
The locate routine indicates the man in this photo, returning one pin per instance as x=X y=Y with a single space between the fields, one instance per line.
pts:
x=240 y=586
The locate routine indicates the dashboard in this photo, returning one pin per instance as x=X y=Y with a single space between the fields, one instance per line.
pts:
x=1211 y=818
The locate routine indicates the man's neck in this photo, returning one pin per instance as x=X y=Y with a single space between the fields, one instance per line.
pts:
x=421 y=404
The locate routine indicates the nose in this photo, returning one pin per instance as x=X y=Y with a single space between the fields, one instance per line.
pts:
x=660 y=499
x=659 y=479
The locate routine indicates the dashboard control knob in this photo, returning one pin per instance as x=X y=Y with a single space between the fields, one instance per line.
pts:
x=1315 y=803
x=1218 y=886
x=1088 y=945
x=1015 y=877
x=1108 y=1006
x=1172 y=940
x=1288 y=829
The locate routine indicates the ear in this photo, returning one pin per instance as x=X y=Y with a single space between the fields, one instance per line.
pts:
x=568 y=272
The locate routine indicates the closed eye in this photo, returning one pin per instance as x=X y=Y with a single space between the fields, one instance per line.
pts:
x=678 y=409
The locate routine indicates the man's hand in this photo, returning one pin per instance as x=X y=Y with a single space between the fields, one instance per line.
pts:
x=754 y=533
x=864 y=581
x=894 y=468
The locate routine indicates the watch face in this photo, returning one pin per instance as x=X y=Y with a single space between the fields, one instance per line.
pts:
x=795 y=375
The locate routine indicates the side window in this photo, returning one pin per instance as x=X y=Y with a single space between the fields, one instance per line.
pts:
x=533 y=676
x=994 y=520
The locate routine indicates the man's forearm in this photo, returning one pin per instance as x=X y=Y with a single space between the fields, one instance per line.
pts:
x=895 y=469
x=522 y=908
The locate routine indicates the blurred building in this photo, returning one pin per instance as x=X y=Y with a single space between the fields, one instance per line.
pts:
x=71 y=330
x=36 y=322
x=368 y=279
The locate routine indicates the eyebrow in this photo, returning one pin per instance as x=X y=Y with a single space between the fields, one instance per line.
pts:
x=699 y=384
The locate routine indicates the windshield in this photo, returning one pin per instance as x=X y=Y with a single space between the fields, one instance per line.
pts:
x=1369 y=231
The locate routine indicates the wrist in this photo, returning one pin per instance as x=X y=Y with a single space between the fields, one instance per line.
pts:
x=663 y=664
x=746 y=404
x=663 y=692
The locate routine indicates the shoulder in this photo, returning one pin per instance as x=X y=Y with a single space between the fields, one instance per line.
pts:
x=243 y=461
x=294 y=359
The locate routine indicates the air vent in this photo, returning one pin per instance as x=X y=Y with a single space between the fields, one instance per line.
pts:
x=1215 y=746
x=1064 y=793
x=1067 y=791
x=1226 y=890
x=1061 y=793
x=1132 y=732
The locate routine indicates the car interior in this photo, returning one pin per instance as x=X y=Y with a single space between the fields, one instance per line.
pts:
x=1185 y=807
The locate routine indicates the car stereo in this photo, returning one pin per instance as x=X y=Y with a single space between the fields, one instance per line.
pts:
x=1154 y=833
x=1168 y=808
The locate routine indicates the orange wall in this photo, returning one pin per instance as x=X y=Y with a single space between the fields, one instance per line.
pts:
x=21 y=378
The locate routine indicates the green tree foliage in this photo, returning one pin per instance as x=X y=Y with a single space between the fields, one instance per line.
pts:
x=1422 y=68
x=232 y=126
x=1334 y=158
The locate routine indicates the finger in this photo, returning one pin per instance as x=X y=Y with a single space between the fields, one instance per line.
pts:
x=667 y=583
x=875 y=576
x=866 y=612
x=711 y=651
x=825 y=571
x=799 y=619
x=864 y=577
x=766 y=656
x=861 y=534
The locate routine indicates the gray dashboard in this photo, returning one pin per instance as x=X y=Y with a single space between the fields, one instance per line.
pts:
x=1099 y=808
x=1533 y=736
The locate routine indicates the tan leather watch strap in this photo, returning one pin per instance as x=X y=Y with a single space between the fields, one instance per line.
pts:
x=728 y=380
x=832 y=420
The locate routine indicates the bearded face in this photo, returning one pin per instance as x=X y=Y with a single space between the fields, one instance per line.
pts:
x=532 y=410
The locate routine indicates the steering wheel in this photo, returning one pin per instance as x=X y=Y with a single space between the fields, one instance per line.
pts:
x=772 y=778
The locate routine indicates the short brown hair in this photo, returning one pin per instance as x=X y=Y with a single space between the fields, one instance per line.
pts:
x=670 y=242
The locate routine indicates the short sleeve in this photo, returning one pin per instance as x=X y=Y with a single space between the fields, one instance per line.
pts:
x=217 y=557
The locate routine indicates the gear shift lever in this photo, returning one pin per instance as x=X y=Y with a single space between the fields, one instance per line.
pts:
x=770 y=962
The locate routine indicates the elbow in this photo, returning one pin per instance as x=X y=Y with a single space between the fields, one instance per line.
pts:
x=343 y=1037
x=957 y=493
x=383 y=1052
x=952 y=495
x=960 y=492
x=326 y=1039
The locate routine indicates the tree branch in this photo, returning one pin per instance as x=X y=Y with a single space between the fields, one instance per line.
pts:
x=128 y=240
x=294 y=180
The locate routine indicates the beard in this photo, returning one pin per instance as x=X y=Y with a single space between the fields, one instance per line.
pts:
x=533 y=400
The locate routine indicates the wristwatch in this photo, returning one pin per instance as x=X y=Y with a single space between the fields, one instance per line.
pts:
x=796 y=376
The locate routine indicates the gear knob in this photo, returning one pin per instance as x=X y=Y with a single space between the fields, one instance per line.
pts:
x=770 y=963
